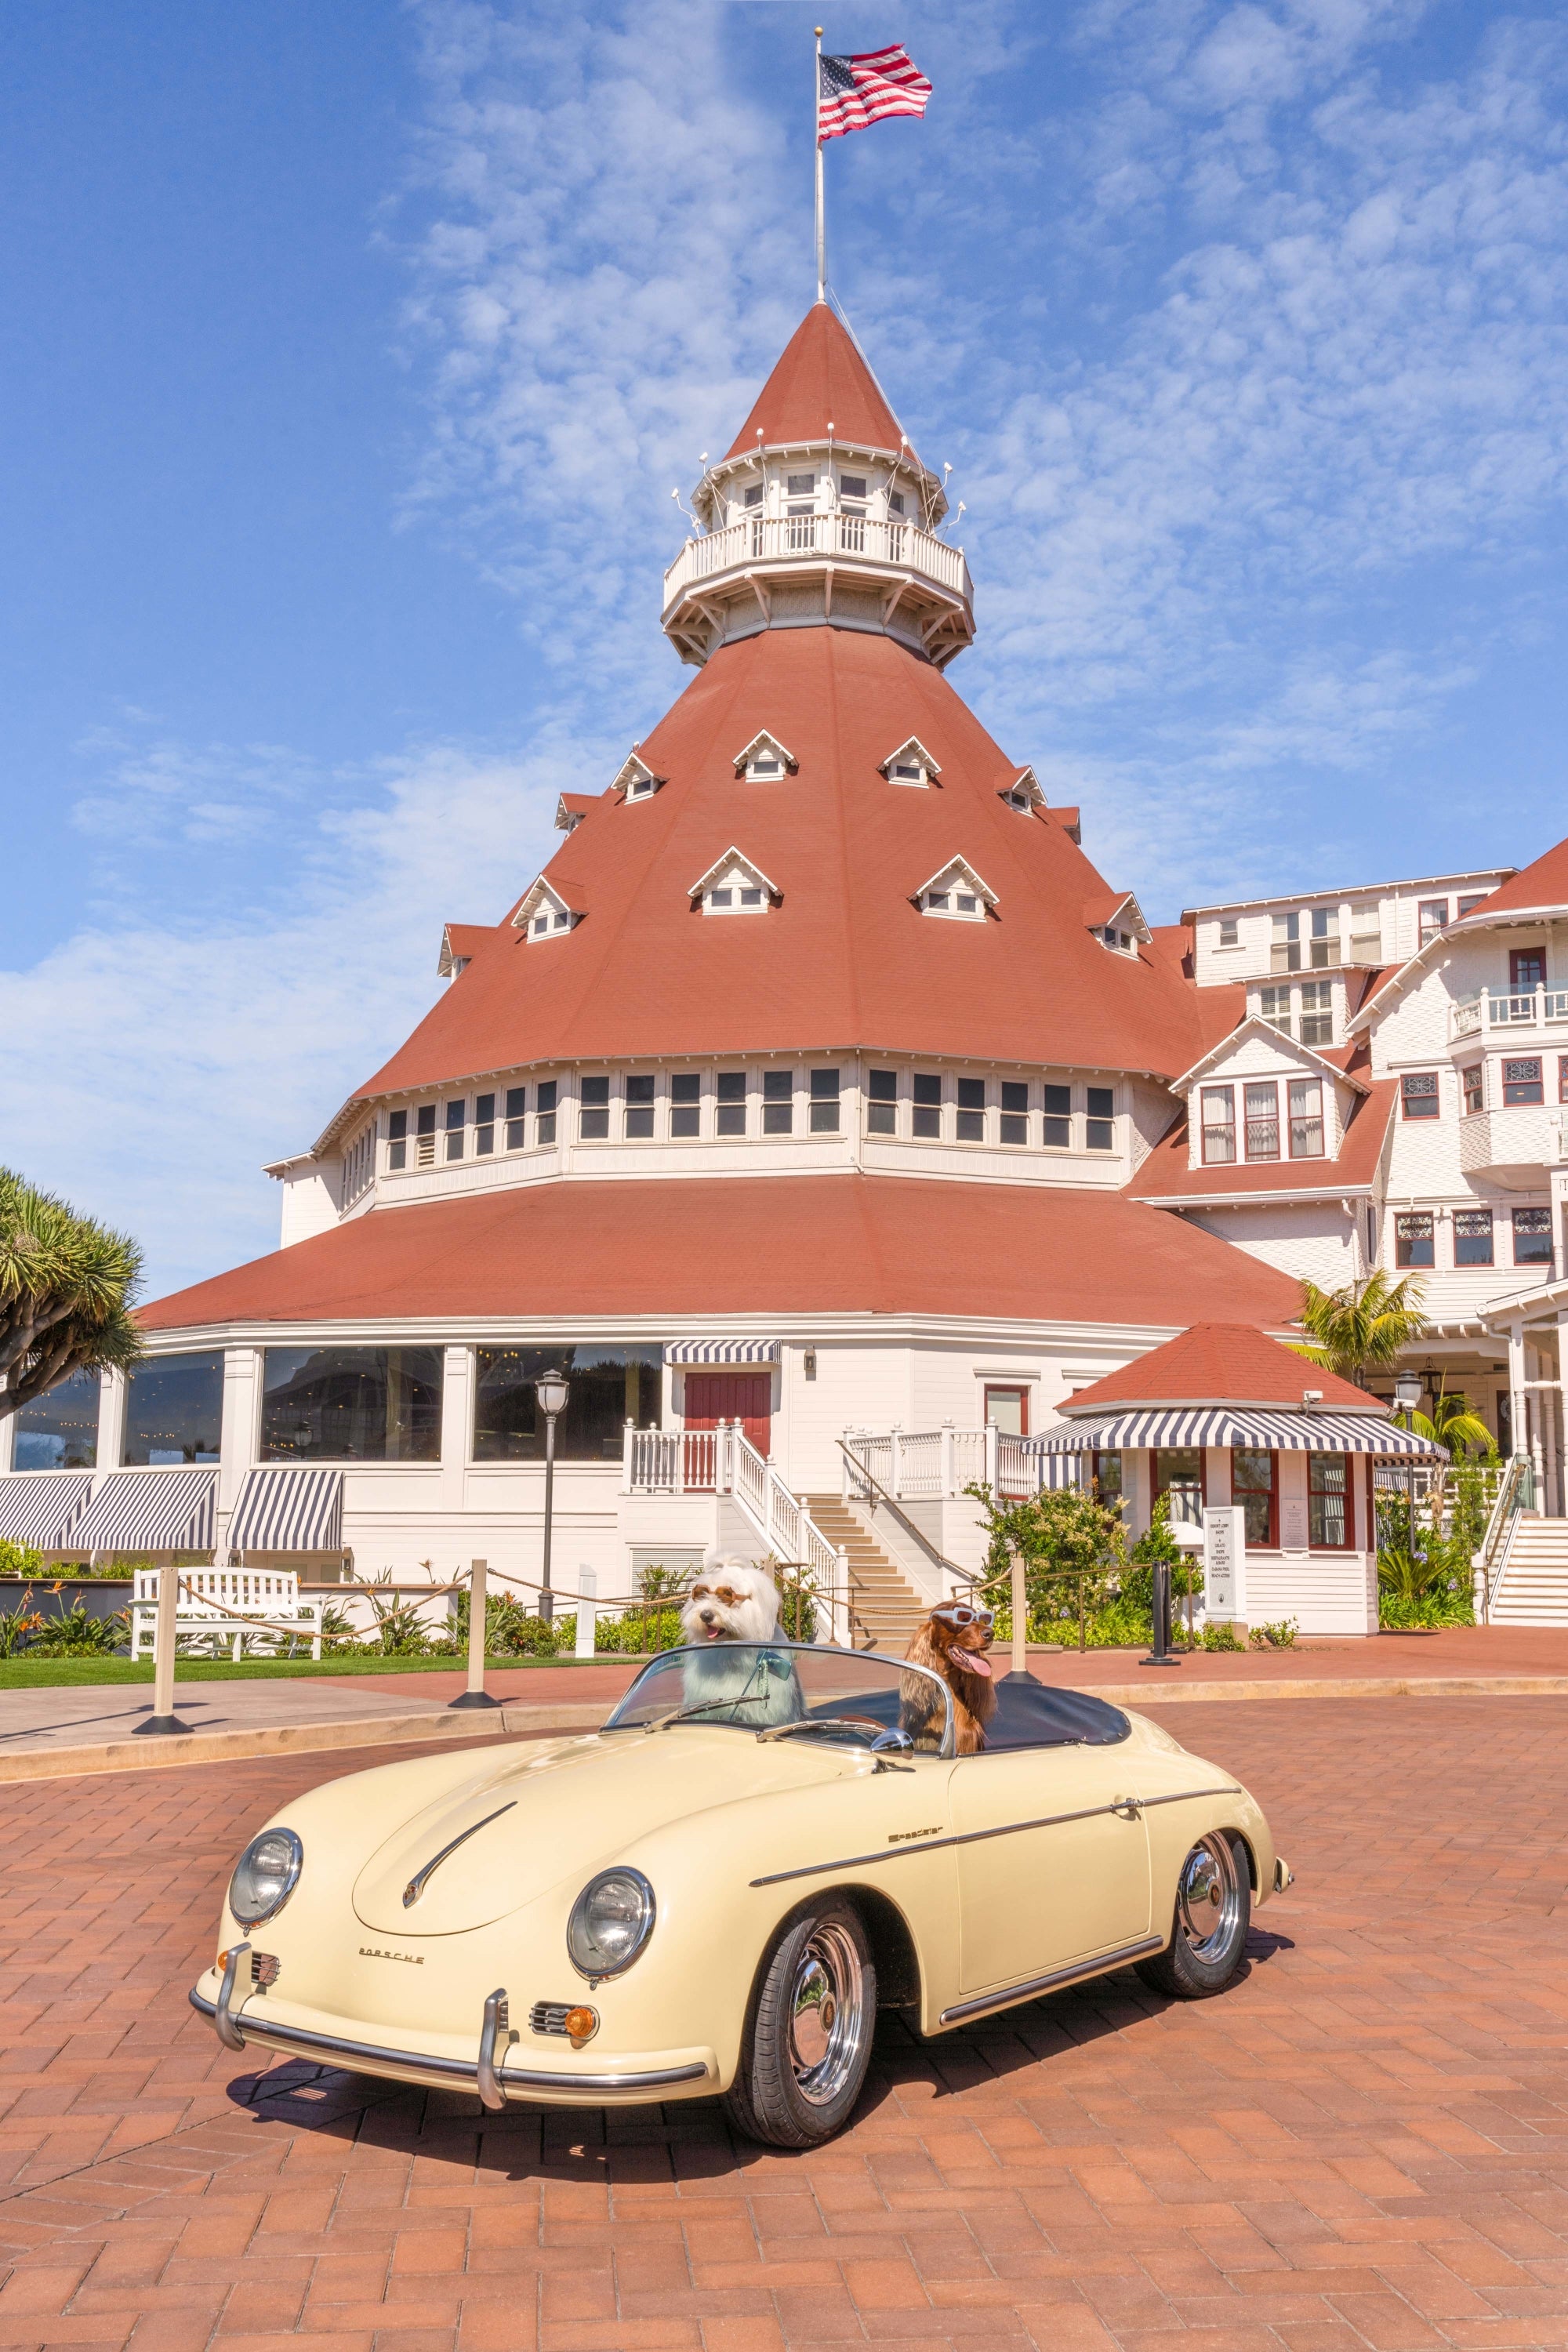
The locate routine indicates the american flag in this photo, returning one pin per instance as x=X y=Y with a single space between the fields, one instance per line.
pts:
x=855 y=92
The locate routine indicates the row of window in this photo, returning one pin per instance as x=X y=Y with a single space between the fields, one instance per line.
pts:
x=918 y=1104
x=1262 y=1135
x=1524 y=1079
x=1310 y=1005
x=1181 y=1473
x=1475 y=1237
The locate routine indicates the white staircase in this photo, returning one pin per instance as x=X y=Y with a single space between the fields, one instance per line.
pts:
x=1532 y=1586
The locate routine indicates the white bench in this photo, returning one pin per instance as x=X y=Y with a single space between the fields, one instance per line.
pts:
x=215 y=1603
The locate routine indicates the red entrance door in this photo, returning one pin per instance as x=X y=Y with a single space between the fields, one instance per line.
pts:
x=745 y=1397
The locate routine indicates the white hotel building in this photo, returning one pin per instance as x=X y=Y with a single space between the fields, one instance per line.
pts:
x=821 y=1085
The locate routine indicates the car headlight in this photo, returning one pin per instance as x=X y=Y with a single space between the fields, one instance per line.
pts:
x=611 y=1921
x=265 y=1876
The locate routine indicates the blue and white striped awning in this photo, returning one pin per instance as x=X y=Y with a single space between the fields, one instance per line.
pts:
x=288 y=1510
x=149 y=1511
x=1059 y=1470
x=721 y=1351
x=1286 y=1433
x=39 y=1507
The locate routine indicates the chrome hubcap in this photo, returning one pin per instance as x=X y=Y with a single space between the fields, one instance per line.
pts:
x=1208 y=1900
x=826 y=2006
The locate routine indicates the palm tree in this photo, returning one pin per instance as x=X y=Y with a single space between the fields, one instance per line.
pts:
x=1364 y=1327
x=66 y=1287
x=1452 y=1424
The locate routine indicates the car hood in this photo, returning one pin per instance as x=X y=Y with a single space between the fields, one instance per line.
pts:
x=575 y=1807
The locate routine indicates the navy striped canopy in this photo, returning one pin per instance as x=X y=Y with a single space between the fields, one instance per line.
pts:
x=149 y=1511
x=40 y=1507
x=721 y=1351
x=288 y=1510
x=1286 y=1433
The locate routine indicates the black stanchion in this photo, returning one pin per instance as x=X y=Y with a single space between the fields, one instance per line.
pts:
x=1160 y=1655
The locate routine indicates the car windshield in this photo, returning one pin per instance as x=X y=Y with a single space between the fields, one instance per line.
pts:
x=760 y=1687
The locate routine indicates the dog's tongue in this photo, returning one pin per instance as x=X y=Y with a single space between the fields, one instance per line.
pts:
x=973 y=1659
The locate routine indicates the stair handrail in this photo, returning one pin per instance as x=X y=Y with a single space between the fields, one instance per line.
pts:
x=824 y=1556
x=965 y=1575
x=1511 y=1501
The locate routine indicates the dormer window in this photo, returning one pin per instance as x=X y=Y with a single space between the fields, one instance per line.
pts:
x=1118 y=924
x=545 y=914
x=636 y=781
x=764 y=761
x=1024 y=793
x=957 y=892
x=911 y=764
x=733 y=886
x=1119 y=942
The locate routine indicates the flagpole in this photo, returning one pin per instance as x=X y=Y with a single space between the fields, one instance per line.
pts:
x=816 y=134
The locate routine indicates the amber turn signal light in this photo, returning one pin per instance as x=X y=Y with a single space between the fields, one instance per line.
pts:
x=582 y=2024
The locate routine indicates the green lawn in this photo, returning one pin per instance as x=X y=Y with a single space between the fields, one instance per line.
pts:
x=45 y=1673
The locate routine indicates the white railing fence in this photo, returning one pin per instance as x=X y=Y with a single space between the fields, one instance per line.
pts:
x=670 y=1461
x=937 y=1465
x=1508 y=1008
x=1515 y=1493
x=767 y=539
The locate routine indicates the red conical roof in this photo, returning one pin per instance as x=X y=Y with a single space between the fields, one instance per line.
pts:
x=1544 y=884
x=820 y=380
x=1222 y=1363
x=845 y=960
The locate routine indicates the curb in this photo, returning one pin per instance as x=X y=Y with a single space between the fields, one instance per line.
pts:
x=1139 y=1694
x=133 y=1755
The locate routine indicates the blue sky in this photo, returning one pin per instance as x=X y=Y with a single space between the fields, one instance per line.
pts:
x=353 y=352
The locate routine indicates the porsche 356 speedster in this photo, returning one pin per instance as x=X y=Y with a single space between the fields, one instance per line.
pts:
x=716 y=1891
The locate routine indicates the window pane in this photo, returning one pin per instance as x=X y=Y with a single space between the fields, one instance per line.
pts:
x=596 y=1091
x=1328 y=1500
x=1306 y=1118
x=173 y=1411
x=1058 y=1134
x=882 y=1118
x=1527 y=967
x=1521 y=1082
x=1179 y=1473
x=1014 y=1095
x=883 y=1086
x=1101 y=1102
x=608 y=1385
x=59 y=1431
x=1419 y=1090
x=686 y=1086
x=1470 y=1080
x=1252 y=1487
x=1107 y=1476
x=1412 y=1238
x=1472 y=1238
x=1532 y=1237
x=971 y=1094
x=1058 y=1101
x=1219 y=1123
x=1262 y=1120
x=732 y=1085
x=351 y=1405
x=825 y=1085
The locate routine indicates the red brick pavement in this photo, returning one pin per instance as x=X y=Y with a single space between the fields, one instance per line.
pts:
x=1364 y=2144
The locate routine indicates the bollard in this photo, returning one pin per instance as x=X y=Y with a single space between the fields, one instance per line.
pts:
x=587 y=1613
x=475 y=1694
x=1160 y=1655
x=163 y=1717
x=1020 y=1617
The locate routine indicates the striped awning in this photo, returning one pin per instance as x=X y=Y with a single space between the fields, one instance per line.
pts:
x=721 y=1351
x=39 y=1507
x=1286 y=1433
x=288 y=1510
x=149 y=1511
x=1059 y=1470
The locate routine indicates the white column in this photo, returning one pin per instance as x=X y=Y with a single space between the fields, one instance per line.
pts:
x=1562 y=1413
x=1516 y=1379
x=239 y=1433
x=8 y=1442
x=111 y=1420
x=457 y=1424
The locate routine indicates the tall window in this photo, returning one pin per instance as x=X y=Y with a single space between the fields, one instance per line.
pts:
x=1526 y=969
x=424 y=1136
x=1014 y=1120
x=639 y=1104
x=1472 y=1238
x=609 y=1385
x=1432 y=918
x=1099 y=1127
x=1419 y=1092
x=350 y=1404
x=457 y=1120
x=881 y=1102
x=1262 y=1119
x=1412 y=1237
x=1059 y=1119
x=824 y=1102
x=397 y=1138
x=972 y=1110
x=1325 y=936
x=1009 y=1408
x=544 y=1109
x=1562 y=1077
x=686 y=1103
x=730 y=1117
x=1274 y=1004
x=1317 y=1013
x=1471 y=1081
x=926 y=1086
x=173 y=1409
x=1219 y=1123
x=1306 y=1118
x=1522 y=1082
x=593 y=1115
x=1179 y=1473
x=484 y=1124
x=516 y=1118
x=1329 y=1526
x=59 y=1431
x=1252 y=1488
x=778 y=1102
x=1532 y=1237
x=1285 y=955
x=1106 y=1474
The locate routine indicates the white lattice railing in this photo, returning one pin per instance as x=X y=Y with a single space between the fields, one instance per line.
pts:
x=784 y=539
x=1522 y=1008
x=917 y=1465
x=671 y=1461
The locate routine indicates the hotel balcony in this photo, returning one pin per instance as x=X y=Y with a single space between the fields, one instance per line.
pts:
x=1527 y=1138
x=887 y=574
x=1509 y=1009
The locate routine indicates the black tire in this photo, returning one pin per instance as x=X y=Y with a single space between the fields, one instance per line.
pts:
x=807 y=2042
x=1208 y=1930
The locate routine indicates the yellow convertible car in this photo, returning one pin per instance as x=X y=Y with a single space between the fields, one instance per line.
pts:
x=716 y=1891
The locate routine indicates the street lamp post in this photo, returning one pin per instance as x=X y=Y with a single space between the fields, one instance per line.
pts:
x=553 y=1392
x=1407 y=1392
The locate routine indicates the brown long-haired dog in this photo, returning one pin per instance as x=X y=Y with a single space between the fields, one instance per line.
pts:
x=952 y=1643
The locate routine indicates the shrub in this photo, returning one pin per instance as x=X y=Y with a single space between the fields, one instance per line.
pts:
x=74 y=1635
x=1279 y=1637
x=20 y=1560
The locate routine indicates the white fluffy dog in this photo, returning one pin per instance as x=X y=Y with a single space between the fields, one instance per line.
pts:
x=734 y=1601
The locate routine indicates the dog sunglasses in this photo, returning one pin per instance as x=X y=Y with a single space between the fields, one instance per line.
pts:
x=959 y=1613
x=725 y=1594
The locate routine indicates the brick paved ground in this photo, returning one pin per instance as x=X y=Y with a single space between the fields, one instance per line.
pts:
x=1365 y=2143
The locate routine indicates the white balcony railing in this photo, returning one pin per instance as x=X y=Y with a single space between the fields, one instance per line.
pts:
x=789 y=539
x=917 y=1465
x=1510 y=1009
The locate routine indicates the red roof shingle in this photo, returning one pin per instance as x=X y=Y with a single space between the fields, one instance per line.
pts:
x=819 y=379
x=1222 y=1363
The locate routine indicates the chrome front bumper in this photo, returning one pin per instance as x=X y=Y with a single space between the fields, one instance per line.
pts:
x=487 y=2073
